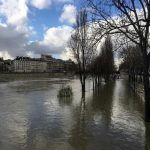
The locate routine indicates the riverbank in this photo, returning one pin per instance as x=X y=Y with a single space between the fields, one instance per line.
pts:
x=4 y=77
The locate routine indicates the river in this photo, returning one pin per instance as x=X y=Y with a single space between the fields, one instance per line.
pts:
x=32 y=117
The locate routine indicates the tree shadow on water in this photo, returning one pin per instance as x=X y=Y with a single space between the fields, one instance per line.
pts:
x=147 y=136
x=79 y=133
x=65 y=101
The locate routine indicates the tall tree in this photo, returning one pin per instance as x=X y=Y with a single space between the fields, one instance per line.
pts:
x=81 y=45
x=129 y=18
x=103 y=64
x=132 y=59
x=107 y=58
x=132 y=62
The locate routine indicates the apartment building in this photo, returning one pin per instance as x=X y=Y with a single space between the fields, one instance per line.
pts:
x=27 y=64
x=44 y=64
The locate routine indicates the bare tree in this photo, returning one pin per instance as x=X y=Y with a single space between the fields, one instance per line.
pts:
x=129 y=18
x=103 y=64
x=132 y=63
x=107 y=58
x=81 y=45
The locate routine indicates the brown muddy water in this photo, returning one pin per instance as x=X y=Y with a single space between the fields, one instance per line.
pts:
x=32 y=117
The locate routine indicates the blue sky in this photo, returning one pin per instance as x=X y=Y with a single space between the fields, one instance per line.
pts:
x=34 y=27
x=46 y=18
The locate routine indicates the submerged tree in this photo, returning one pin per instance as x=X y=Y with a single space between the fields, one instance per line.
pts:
x=107 y=59
x=82 y=45
x=103 y=65
x=132 y=60
x=129 y=18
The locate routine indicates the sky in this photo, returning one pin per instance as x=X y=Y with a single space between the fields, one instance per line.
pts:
x=35 y=27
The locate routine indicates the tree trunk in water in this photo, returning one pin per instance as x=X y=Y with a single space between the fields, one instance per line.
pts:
x=82 y=81
x=146 y=88
x=83 y=88
x=93 y=84
x=147 y=146
x=129 y=73
x=147 y=97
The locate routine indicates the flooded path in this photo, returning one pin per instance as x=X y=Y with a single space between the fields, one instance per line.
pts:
x=32 y=117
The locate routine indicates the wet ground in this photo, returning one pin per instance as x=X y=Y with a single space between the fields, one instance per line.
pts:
x=32 y=117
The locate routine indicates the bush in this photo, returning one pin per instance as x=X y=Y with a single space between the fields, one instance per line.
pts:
x=65 y=92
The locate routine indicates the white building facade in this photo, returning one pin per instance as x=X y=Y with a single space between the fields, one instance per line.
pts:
x=44 y=64
x=27 y=64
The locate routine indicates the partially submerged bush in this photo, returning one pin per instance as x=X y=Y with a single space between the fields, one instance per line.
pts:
x=65 y=100
x=65 y=92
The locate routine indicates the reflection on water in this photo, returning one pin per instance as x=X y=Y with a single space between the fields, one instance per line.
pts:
x=32 y=117
x=65 y=100
x=147 y=137
x=79 y=133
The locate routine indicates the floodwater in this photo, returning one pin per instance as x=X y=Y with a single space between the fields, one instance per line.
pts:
x=32 y=117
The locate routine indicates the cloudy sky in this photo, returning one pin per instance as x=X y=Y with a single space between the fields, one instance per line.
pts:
x=34 y=27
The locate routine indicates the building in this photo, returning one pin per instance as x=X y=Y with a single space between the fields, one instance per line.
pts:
x=46 y=57
x=1 y=64
x=69 y=66
x=27 y=64
x=44 y=64
x=58 y=65
x=5 y=65
x=49 y=60
x=8 y=65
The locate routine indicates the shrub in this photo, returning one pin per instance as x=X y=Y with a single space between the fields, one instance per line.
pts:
x=65 y=92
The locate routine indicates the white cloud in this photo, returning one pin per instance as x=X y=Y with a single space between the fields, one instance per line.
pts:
x=15 y=31
x=67 y=54
x=41 y=4
x=69 y=14
x=3 y=24
x=5 y=55
x=57 y=36
x=54 y=42
x=11 y=41
x=15 y=11
x=64 y=1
